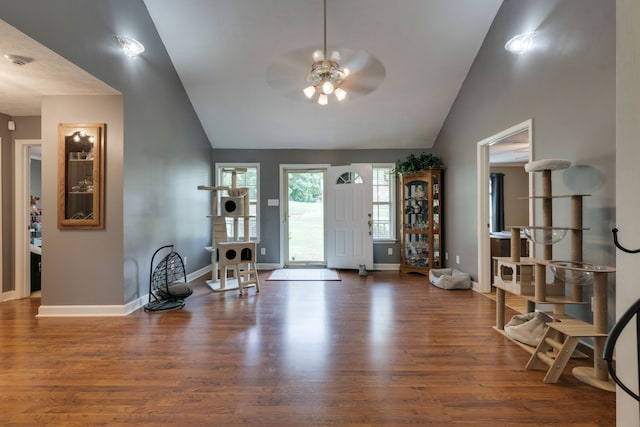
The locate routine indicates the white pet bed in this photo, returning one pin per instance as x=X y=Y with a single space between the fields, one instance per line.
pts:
x=449 y=278
x=528 y=328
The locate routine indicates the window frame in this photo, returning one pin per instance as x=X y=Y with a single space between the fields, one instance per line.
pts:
x=218 y=179
x=391 y=203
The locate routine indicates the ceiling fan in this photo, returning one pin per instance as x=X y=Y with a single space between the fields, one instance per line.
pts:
x=341 y=72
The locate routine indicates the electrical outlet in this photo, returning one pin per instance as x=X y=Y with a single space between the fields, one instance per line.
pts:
x=184 y=261
x=390 y=251
x=263 y=251
x=457 y=259
x=446 y=256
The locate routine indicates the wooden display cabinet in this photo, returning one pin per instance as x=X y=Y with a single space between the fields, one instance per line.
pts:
x=81 y=176
x=421 y=246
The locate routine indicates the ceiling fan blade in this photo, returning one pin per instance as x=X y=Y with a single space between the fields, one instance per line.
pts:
x=289 y=72
x=366 y=73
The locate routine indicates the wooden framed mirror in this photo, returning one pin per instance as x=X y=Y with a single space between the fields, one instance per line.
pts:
x=81 y=176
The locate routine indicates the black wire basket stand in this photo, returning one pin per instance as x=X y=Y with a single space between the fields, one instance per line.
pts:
x=168 y=285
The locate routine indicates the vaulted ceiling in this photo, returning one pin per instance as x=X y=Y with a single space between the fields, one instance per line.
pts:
x=223 y=51
x=244 y=64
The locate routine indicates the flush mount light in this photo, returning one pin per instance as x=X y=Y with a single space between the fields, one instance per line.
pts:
x=130 y=46
x=520 y=43
x=18 y=60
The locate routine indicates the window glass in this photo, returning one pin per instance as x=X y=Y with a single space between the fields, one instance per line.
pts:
x=383 y=202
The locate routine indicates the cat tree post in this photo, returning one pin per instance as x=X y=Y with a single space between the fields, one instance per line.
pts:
x=576 y=241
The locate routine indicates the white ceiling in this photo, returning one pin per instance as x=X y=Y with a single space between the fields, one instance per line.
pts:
x=22 y=87
x=511 y=151
x=223 y=51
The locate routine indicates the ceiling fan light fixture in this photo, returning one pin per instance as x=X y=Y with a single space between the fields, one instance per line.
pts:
x=309 y=91
x=340 y=93
x=326 y=75
x=327 y=88
x=323 y=99
x=318 y=55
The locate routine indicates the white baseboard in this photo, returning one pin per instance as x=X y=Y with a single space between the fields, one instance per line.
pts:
x=199 y=273
x=9 y=295
x=476 y=287
x=268 y=266
x=388 y=267
x=275 y=266
x=91 y=310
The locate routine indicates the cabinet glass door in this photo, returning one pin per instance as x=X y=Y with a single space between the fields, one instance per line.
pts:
x=81 y=176
x=416 y=224
x=435 y=191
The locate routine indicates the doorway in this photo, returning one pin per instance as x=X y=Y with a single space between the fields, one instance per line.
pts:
x=28 y=217
x=483 y=167
x=304 y=216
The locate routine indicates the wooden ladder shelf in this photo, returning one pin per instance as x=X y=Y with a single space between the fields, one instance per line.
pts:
x=557 y=346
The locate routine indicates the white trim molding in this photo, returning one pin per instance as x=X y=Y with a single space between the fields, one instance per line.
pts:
x=91 y=310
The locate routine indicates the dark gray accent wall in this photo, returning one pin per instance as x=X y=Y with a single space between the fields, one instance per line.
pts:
x=566 y=84
x=166 y=153
x=270 y=161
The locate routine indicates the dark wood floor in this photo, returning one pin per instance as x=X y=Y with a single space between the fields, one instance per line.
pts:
x=388 y=349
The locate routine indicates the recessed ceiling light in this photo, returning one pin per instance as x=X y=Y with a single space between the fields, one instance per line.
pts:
x=520 y=43
x=130 y=46
x=18 y=60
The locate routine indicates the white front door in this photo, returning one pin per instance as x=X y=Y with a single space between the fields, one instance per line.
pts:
x=349 y=216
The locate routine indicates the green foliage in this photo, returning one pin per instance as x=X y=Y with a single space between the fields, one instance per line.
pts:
x=305 y=187
x=415 y=164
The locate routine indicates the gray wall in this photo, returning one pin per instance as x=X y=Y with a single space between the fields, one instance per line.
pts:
x=566 y=84
x=165 y=151
x=270 y=161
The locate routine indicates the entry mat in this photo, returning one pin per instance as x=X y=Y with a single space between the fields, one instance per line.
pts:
x=303 y=274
